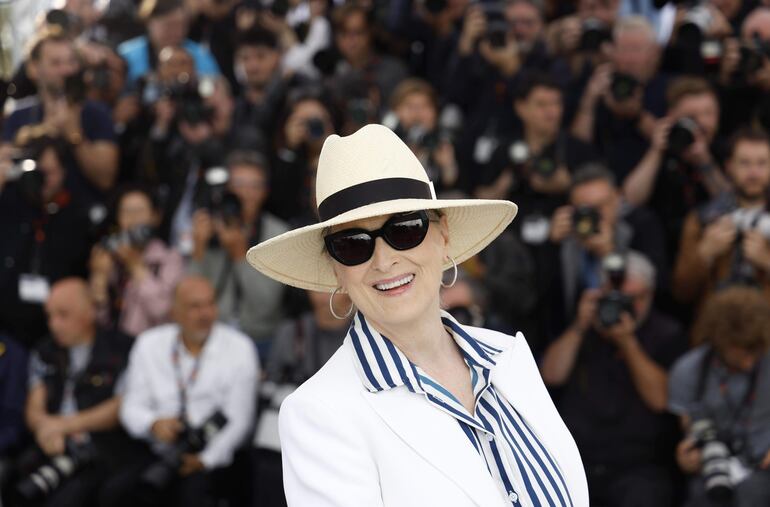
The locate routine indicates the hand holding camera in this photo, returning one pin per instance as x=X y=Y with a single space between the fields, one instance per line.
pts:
x=474 y=26
x=167 y=430
x=561 y=224
x=717 y=239
x=756 y=250
x=586 y=311
x=688 y=456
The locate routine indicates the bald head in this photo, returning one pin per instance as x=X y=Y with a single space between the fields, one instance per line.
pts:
x=71 y=315
x=195 y=308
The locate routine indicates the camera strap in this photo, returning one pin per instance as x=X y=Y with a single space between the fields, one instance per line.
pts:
x=183 y=385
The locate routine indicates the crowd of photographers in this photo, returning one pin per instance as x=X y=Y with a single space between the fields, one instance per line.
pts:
x=146 y=144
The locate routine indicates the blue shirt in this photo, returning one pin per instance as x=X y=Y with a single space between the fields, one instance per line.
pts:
x=137 y=56
x=521 y=466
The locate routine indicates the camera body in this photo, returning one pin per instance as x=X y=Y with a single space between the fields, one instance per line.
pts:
x=522 y=159
x=615 y=303
x=681 y=136
x=47 y=478
x=715 y=467
x=213 y=196
x=585 y=221
x=137 y=237
x=497 y=26
x=753 y=56
x=191 y=440
x=623 y=86
x=594 y=33
x=188 y=95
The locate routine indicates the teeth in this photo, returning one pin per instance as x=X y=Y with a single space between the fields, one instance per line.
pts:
x=393 y=285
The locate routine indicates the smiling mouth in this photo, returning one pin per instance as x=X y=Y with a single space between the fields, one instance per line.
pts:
x=399 y=282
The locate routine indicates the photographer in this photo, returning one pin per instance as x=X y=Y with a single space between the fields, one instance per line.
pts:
x=305 y=123
x=717 y=246
x=415 y=106
x=263 y=85
x=683 y=166
x=60 y=110
x=595 y=224
x=745 y=73
x=534 y=166
x=133 y=273
x=179 y=376
x=608 y=370
x=721 y=392
x=623 y=96
x=167 y=23
x=45 y=237
x=221 y=236
x=72 y=405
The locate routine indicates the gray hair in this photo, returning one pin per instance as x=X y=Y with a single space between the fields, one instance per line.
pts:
x=635 y=23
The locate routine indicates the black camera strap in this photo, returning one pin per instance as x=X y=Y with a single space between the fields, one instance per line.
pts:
x=184 y=385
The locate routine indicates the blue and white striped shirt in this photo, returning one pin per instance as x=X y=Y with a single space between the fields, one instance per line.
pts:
x=521 y=466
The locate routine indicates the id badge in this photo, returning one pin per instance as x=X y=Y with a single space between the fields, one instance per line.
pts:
x=33 y=288
x=535 y=229
x=485 y=146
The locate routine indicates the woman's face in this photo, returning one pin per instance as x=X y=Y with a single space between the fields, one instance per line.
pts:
x=421 y=265
x=135 y=209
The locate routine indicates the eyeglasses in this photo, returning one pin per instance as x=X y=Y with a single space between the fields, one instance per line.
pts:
x=356 y=246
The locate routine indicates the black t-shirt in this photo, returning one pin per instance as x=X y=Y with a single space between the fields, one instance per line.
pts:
x=603 y=410
x=57 y=240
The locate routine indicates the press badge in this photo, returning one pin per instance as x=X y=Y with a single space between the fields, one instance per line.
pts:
x=485 y=146
x=535 y=229
x=33 y=288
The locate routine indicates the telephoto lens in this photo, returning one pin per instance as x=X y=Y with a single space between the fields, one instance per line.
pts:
x=715 y=467
x=681 y=136
x=49 y=477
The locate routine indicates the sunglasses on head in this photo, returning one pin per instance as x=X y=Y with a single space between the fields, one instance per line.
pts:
x=356 y=246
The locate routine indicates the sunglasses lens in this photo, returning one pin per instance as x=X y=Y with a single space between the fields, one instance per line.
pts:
x=407 y=232
x=351 y=249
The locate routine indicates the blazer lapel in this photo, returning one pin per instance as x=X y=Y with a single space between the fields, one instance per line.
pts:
x=438 y=438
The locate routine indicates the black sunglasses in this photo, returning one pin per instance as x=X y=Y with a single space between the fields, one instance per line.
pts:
x=356 y=246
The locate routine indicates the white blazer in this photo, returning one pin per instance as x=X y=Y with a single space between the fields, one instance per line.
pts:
x=346 y=447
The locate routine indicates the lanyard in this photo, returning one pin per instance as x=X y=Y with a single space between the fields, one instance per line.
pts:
x=183 y=385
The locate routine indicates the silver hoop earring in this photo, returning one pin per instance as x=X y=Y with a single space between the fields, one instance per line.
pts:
x=454 y=277
x=331 y=306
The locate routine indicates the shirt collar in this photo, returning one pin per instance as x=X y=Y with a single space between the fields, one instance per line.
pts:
x=382 y=366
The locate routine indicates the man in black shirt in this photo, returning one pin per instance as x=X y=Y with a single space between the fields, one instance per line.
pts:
x=611 y=382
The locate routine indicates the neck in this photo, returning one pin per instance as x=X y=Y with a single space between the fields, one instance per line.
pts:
x=254 y=94
x=194 y=347
x=538 y=140
x=745 y=201
x=425 y=343
x=87 y=338
x=250 y=214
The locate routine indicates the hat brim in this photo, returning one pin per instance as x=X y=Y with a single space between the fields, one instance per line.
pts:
x=297 y=257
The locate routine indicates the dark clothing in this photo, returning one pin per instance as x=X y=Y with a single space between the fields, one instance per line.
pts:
x=13 y=393
x=95 y=120
x=600 y=405
x=292 y=185
x=577 y=269
x=53 y=243
x=126 y=488
x=619 y=139
x=95 y=385
x=640 y=486
x=262 y=116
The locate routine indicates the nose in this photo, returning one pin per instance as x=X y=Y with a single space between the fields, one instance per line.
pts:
x=384 y=256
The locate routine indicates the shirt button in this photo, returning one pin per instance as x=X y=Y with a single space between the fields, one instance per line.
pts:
x=513 y=497
x=490 y=437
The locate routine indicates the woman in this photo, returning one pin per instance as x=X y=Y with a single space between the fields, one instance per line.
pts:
x=414 y=409
x=133 y=274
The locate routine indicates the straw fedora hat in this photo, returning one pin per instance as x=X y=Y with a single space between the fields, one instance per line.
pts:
x=368 y=174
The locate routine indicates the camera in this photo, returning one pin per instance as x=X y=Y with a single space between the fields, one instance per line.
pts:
x=46 y=479
x=715 y=461
x=585 y=221
x=614 y=303
x=681 y=136
x=753 y=56
x=696 y=23
x=136 y=237
x=497 y=27
x=191 y=440
x=594 y=33
x=522 y=159
x=623 y=86
x=187 y=95
x=213 y=196
x=315 y=129
x=25 y=171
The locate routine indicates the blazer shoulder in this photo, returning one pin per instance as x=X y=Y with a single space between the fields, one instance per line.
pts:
x=496 y=338
x=335 y=384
